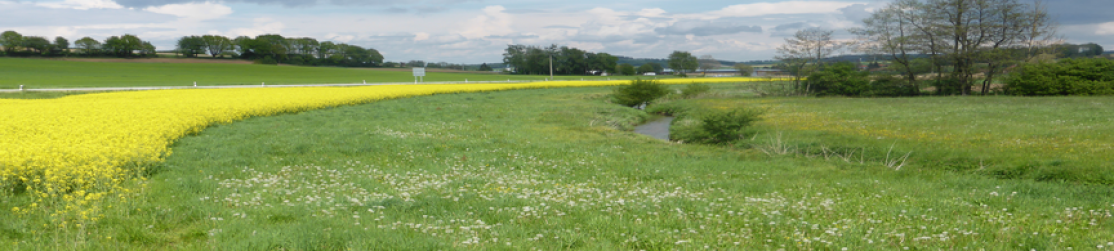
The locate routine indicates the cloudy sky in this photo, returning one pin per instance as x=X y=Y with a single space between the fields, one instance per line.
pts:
x=474 y=31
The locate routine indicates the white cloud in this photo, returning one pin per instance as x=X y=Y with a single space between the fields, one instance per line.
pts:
x=655 y=12
x=1105 y=29
x=82 y=4
x=762 y=9
x=194 y=11
x=260 y=26
x=421 y=36
x=493 y=22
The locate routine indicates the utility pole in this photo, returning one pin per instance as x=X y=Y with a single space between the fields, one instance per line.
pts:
x=550 y=66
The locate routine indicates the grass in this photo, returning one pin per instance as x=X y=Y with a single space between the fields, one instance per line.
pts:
x=544 y=169
x=39 y=95
x=1065 y=139
x=41 y=73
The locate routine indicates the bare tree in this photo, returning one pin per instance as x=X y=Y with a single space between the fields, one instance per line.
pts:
x=1040 y=35
x=807 y=46
x=890 y=31
x=707 y=62
x=972 y=37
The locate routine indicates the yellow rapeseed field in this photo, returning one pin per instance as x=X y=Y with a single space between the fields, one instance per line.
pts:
x=73 y=152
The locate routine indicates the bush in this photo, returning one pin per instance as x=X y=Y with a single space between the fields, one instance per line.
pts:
x=694 y=89
x=716 y=126
x=726 y=126
x=639 y=92
x=891 y=86
x=1093 y=76
x=839 y=79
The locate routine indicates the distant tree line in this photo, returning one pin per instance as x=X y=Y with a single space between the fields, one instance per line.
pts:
x=535 y=60
x=275 y=49
x=126 y=46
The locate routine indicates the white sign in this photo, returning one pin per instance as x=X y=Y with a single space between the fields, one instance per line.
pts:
x=419 y=71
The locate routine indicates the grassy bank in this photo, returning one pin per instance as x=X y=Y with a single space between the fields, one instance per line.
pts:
x=42 y=73
x=545 y=169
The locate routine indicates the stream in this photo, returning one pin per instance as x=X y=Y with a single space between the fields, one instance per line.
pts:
x=658 y=129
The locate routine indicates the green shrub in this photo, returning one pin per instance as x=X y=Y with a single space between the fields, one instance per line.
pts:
x=692 y=90
x=673 y=108
x=639 y=92
x=891 y=86
x=1088 y=76
x=713 y=126
x=728 y=125
x=840 y=79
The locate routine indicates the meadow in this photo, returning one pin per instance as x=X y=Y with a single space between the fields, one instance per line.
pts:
x=41 y=73
x=547 y=169
x=1064 y=139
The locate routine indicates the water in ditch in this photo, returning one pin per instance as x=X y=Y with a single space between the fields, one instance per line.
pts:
x=658 y=128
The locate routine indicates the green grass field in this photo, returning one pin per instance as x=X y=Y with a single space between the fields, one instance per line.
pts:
x=1064 y=139
x=41 y=73
x=545 y=169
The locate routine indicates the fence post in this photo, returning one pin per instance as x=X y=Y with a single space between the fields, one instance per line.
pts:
x=264 y=84
x=194 y=83
x=20 y=87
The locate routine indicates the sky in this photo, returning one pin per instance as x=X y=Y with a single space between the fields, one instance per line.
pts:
x=475 y=31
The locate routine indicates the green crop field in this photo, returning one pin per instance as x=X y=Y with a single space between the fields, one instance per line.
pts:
x=40 y=73
x=547 y=169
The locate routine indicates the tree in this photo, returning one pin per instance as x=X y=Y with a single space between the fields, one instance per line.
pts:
x=191 y=46
x=60 y=46
x=707 y=62
x=639 y=92
x=807 y=46
x=969 y=36
x=11 y=41
x=273 y=45
x=745 y=70
x=148 y=50
x=889 y=32
x=243 y=46
x=123 y=46
x=325 y=49
x=88 y=45
x=682 y=61
x=484 y=67
x=645 y=68
x=216 y=44
x=415 y=63
x=657 y=67
x=625 y=69
x=38 y=44
x=600 y=62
